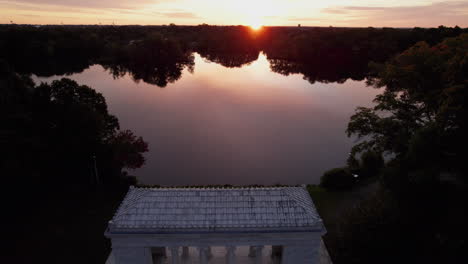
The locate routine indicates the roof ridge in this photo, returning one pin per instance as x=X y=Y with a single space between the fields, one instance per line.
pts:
x=130 y=201
x=302 y=198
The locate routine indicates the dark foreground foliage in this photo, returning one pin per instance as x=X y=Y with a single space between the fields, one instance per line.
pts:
x=337 y=179
x=61 y=134
x=64 y=226
x=420 y=123
x=63 y=159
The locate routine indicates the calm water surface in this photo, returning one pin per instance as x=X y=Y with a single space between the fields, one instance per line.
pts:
x=239 y=126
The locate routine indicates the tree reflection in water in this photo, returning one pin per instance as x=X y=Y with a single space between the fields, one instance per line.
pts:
x=155 y=60
x=232 y=59
x=158 y=54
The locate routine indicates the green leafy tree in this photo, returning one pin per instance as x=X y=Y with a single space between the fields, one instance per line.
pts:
x=424 y=104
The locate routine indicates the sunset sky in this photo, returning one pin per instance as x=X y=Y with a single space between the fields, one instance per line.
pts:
x=352 y=13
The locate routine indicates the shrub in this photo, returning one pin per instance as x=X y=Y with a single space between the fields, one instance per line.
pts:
x=369 y=231
x=337 y=179
x=371 y=164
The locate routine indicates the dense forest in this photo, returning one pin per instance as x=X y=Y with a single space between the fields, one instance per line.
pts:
x=66 y=152
x=320 y=54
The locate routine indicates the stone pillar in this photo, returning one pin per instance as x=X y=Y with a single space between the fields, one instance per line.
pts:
x=135 y=255
x=185 y=252
x=231 y=255
x=209 y=253
x=203 y=255
x=256 y=253
x=175 y=255
x=251 y=251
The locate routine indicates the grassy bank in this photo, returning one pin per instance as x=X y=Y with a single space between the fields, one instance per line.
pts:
x=332 y=205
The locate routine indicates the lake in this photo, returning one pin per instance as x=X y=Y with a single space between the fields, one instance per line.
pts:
x=241 y=125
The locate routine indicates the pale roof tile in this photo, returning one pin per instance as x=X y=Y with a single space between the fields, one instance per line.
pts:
x=156 y=209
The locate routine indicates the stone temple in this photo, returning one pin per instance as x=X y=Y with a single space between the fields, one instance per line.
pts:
x=216 y=225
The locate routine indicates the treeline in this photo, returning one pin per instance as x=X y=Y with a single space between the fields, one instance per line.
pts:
x=320 y=54
x=337 y=54
x=155 y=59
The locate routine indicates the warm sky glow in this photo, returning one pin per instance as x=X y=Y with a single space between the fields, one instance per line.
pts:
x=362 y=13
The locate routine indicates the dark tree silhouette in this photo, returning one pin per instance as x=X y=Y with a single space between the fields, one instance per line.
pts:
x=424 y=104
x=157 y=54
x=421 y=121
x=154 y=59
x=231 y=60
x=51 y=134
x=127 y=149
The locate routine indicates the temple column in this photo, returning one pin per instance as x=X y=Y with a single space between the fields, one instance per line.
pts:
x=231 y=255
x=185 y=252
x=203 y=255
x=209 y=253
x=135 y=255
x=175 y=255
x=256 y=253
x=251 y=252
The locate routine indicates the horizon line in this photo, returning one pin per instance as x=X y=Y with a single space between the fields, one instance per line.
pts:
x=299 y=25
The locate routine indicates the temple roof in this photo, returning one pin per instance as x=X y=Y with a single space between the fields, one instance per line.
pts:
x=156 y=210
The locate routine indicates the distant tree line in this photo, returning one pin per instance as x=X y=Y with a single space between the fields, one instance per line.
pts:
x=320 y=54
x=154 y=59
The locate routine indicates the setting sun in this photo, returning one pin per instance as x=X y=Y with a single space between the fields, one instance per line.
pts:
x=256 y=26
x=255 y=21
